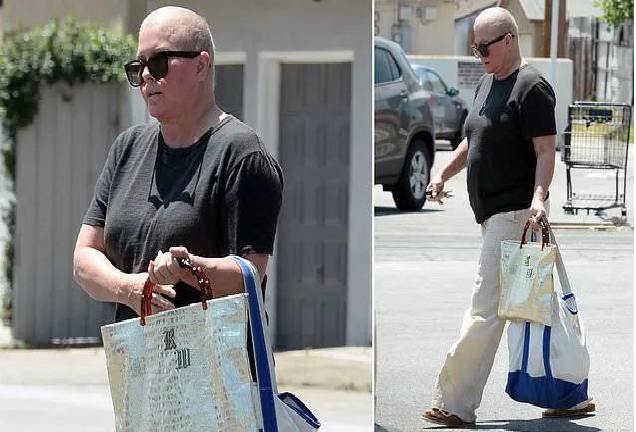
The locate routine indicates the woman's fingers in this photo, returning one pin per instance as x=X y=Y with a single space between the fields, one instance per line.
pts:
x=166 y=290
x=179 y=252
x=159 y=303
x=164 y=269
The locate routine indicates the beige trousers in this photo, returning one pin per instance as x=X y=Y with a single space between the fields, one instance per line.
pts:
x=461 y=381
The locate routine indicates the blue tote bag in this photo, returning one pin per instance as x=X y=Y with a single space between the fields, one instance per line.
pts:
x=549 y=365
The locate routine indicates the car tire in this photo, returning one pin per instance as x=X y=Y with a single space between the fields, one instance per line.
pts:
x=460 y=134
x=410 y=191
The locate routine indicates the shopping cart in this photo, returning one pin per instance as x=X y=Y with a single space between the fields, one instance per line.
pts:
x=596 y=138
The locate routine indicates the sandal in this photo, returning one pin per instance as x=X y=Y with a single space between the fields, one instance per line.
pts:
x=438 y=416
x=553 y=413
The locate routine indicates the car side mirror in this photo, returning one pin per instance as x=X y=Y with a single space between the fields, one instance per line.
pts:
x=452 y=91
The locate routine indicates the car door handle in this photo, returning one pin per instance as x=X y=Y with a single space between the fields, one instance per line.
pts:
x=404 y=94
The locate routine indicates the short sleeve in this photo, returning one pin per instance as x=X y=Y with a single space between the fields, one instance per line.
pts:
x=96 y=213
x=253 y=198
x=537 y=111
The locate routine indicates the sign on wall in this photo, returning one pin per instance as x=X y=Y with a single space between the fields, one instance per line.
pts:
x=468 y=74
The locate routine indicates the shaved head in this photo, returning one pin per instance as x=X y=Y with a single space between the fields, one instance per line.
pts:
x=185 y=28
x=497 y=34
x=186 y=83
x=498 y=19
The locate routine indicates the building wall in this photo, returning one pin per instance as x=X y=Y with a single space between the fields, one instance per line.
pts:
x=530 y=33
x=58 y=159
x=264 y=34
x=469 y=7
x=119 y=15
x=430 y=37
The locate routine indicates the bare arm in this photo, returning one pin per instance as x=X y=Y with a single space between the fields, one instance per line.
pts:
x=544 y=147
x=456 y=163
x=102 y=280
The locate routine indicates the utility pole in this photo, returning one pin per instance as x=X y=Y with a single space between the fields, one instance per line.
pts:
x=563 y=36
x=547 y=26
x=554 y=37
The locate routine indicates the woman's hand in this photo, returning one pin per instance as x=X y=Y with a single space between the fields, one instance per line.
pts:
x=537 y=212
x=223 y=273
x=165 y=268
x=436 y=186
x=135 y=285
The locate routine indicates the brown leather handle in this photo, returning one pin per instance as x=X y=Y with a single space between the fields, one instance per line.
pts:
x=204 y=286
x=545 y=238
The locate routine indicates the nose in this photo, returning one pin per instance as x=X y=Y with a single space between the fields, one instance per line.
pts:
x=145 y=74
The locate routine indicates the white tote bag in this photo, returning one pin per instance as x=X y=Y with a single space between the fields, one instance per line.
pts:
x=549 y=365
x=527 y=286
x=187 y=369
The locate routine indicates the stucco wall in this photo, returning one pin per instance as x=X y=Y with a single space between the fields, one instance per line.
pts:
x=428 y=37
x=119 y=15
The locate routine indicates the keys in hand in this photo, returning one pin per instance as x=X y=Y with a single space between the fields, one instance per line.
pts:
x=440 y=195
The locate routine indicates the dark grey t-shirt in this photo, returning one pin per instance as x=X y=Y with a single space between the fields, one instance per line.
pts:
x=506 y=115
x=217 y=197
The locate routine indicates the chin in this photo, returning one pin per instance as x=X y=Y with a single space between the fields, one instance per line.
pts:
x=155 y=111
x=156 y=114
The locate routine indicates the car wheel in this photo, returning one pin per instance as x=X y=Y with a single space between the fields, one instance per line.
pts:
x=460 y=134
x=410 y=191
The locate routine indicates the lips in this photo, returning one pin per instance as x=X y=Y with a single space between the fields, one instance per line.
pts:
x=151 y=94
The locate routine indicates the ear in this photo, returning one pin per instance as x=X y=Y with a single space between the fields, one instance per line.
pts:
x=203 y=66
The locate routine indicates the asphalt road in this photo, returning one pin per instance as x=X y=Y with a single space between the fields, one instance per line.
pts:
x=424 y=269
x=88 y=408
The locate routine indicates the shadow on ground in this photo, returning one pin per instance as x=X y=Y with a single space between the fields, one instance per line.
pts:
x=390 y=211
x=532 y=425
x=379 y=428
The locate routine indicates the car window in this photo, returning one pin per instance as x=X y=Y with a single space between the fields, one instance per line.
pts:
x=386 y=68
x=382 y=68
x=395 y=69
x=422 y=77
x=437 y=85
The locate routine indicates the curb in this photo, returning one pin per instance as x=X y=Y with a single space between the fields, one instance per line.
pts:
x=345 y=368
x=590 y=227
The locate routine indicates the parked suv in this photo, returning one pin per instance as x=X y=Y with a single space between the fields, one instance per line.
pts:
x=449 y=110
x=404 y=131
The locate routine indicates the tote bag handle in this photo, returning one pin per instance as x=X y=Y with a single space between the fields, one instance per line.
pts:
x=204 y=287
x=563 y=275
x=564 y=281
x=260 y=340
x=545 y=239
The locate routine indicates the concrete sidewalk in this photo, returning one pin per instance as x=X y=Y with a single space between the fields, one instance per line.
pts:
x=346 y=368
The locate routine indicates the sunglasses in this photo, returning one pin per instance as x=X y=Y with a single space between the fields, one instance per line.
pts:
x=157 y=65
x=481 y=50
